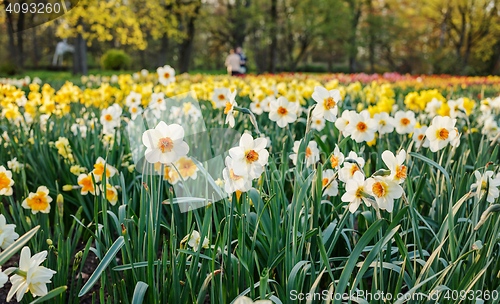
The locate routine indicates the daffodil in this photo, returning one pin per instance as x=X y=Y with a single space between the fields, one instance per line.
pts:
x=7 y=233
x=100 y=166
x=111 y=193
x=166 y=75
x=361 y=127
x=165 y=143
x=250 y=157
x=86 y=182
x=356 y=192
x=404 y=122
x=220 y=97
x=384 y=123
x=419 y=136
x=311 y=153
x=326 y=103
x=355 y=164
x=38 y=201
x=337 y=158
x=396 y=165
x=440 y=132
x=332 y=187
x=342 y=122
x=133 y=99
x=30 y=276
x=110 y=118
x=385 y=190
x=487 y=183
x=283 y=112
x=195 y=241
x=229 y=109
x=232 y=181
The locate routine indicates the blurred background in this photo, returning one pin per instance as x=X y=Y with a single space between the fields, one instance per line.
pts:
x=373 y=36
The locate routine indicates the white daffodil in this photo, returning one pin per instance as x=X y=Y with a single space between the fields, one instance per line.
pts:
x=233 y=182
x=318 y=123
x=487 y=183
x=247 y=300
x=195 y=241
x=166 y=75
x=396 y=165
x=14 y=165
x=440 y=132
x=38 y=201
x=229 y=109
x=312 y=153
x=3 y=278
x=78 y=128
x=110 y=118
x=433 y=106
x=157 y=104
x=347 y=172
x=404 y=122
x=361 y=127
x=266 y=103
x=385 y=191
x=135 y=110
x=333 y=188
x=356 y=192
x=7 y=233
x=419 y=135
x=283 y=112
x=165 y=143
x=456 y=141
x=457 y=108
x=326 y=103
x=250 y=157
x=337 y=158
x=256 y=107
x=384 y=123
x=220 y=97
x=343 y=121
x=133 y=99
x=30 y=276
x=490 y=126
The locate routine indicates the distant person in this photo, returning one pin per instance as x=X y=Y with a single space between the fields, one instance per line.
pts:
x=233 y=63
x=243 y=58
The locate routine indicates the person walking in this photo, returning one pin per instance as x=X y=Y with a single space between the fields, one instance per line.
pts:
x=243 y=58
x=233 y=63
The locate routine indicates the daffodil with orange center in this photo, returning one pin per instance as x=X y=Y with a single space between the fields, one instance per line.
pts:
x=87 y=184
x=385 y=191
x=38 y=201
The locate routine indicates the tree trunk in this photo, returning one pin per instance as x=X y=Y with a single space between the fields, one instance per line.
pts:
x=36 y=53
x=10 y=30
x=20 y=44
x=274 y=37
x=353 y=52
x=187 y=45
x=80 y=54
x=162 y=56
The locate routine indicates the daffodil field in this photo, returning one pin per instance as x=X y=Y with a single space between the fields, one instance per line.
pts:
x=287 y=188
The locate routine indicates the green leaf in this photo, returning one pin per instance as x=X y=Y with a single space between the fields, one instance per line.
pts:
x=139 y=292
x=102 y=265
x=52 y=294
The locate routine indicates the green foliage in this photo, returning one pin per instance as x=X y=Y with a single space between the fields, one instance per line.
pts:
x=115 y=60
x=9 y=69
